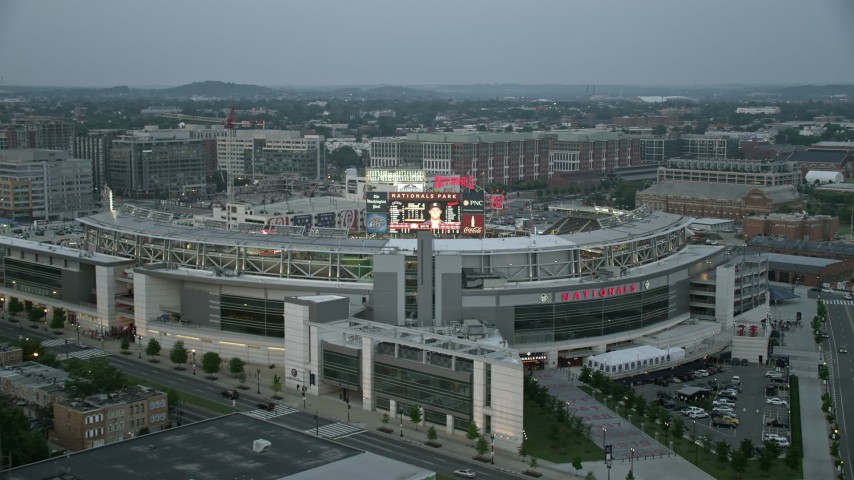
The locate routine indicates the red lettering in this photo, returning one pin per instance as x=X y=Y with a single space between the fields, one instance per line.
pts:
x=566 y=297
x=577 y=296
x=603 y=293
x=619 y=290
x=634 y=287
x=611 y=291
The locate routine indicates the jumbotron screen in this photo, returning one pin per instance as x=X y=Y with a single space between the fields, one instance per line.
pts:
x=405 y=212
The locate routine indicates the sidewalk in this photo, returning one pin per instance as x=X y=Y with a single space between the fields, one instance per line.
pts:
x=331 y=407
x=804 y=357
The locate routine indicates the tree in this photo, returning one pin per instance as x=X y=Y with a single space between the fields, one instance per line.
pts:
x=533 y=463
x=143 y=431
x=125 y=345
x=95 y=375
x=431 y=432
x=722 y=451
x=746 y=448
x=178 y=355
x=210 y=363
x=173 y=397
x=344 y=157
x=236 y=366
x=738 y=462
x=415 y=415
x=15 y=306
x=473 y=433
x=678 y=428
x=793 y=457
x=19 y=442
x=58 y=320
x=153 y=348
x=576 y=463
x=523 y=449
x=481 y=446
x=36 y=314
x=276 y=386
x=630 y=475
x=590 y=476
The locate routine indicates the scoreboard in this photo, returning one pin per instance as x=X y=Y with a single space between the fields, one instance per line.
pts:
x=405 y=212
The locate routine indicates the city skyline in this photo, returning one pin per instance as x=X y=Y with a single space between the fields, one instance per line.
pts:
x=157 y=43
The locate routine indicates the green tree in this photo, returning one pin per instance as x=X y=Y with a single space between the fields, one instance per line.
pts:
x=590 y=476
x=178 y=354
x=481 y=446
x=276 y=386
x=523 y=449
x=236 y=366
x=630 y=475
x=344 y=157
x=210 y=363
x=35 y=314
x=15 y=306
x=576 y=463
x=533 y=463
x=58 y=320
x=677 y=428
x=793 y=457
x=143 y=431
x=91 y=376
x=415 y=415
x=431 y=432
x=722 y=451
x=473 y=433
x=746 y=448
x=173 y=397
x=125 y=345
x=20 y=443
x=153 y=348
x=738 y=462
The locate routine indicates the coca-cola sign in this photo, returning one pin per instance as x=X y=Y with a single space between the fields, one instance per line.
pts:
x=473 y=231
x=472 y=224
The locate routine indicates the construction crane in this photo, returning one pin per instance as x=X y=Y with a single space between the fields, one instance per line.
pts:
x=228 y=121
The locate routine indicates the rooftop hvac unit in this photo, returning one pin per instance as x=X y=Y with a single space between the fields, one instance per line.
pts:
x=260 y=445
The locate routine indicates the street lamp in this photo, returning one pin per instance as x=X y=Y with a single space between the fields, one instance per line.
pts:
x=666 y=432
x=194 y=361
x=492 y=453
x=696 y=452
x=258 y=377
x=400 y=411
x=78 y=333
x=632 y=464
x=604 y=433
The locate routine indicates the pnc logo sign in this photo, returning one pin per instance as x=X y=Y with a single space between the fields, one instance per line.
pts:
x=600 y=293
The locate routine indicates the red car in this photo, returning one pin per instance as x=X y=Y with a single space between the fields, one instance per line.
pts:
x=267 y=406
x=230 y=394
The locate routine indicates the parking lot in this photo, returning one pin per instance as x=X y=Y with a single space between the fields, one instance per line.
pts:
x=751 y=409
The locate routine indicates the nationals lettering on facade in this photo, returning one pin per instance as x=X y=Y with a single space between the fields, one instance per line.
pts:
x=595 y=293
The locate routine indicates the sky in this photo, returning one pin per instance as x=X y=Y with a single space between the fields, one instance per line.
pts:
x=148 y=43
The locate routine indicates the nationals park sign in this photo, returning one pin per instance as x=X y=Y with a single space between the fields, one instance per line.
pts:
x=595 y=293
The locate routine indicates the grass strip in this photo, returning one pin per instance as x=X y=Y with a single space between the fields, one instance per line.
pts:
x=200 y=402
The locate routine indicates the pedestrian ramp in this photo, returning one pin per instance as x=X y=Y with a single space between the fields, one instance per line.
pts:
x=335 y=430
x=279 y=411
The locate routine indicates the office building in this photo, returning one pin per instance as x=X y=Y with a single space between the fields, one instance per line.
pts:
x=44 y=185
x=717 y=147
x=95 y=146
x=763 y=173
x=48 y=133
x=258 y=153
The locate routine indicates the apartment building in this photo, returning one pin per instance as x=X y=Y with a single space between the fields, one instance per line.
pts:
x=98 y=420
x=764 y=173
x=708 y=146
x=256 y=153
x=155 y=162
x=10 y=354
x=45 y=185
x=659 y=150
x=32 y=383
x=95 y=146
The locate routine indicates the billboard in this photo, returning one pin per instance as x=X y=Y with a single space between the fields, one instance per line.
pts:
x=325 y=220
x=406 y=212
x=301 y=220
x=395 y=176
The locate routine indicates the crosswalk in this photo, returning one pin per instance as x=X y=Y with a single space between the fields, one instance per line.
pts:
x=335 y=430
x=56 y=342
x=279 y=411
x=835 y=301
x=83 y=354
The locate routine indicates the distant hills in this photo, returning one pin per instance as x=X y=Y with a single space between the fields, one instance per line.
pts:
x=556 y=92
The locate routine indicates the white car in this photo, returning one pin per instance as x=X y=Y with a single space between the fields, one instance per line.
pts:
x=701 y=414
x=724 y=410
x=781 y=442
x=701 y=373
x=768 y=437
x=465 y=473
x=776 y=401
x=773 y=374
x=848 y=296
x=689 y=410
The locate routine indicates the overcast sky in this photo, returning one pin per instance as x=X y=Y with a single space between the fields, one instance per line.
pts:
x=403 y=42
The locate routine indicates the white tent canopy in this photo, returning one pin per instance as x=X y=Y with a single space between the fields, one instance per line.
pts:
x=636 y=359
x=822 y=176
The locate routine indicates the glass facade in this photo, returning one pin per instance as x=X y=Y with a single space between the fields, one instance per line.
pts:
x=341 y=368
x=420 y=388
x=591 y=318
x=33 y=277
x=254 y=316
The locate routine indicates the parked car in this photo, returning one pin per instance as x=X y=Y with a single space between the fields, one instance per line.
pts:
x=700 y=414
x=736 y=379
x=724 y=410
x=687 y=411
x=735 y=361
x=768 y=436
x=667 y=403
x=230 y=394
x=776 y=423
x=773 y=374
x=661 y=382
x=725 y=421
x=745 y=362
x=723 y=402
x=776 y=401
x=701 y=373
x=465 y=473
x=848 y=296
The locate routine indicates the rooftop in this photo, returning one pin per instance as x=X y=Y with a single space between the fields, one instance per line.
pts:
x=221 y=448
x=806 y=246
x=34 y=375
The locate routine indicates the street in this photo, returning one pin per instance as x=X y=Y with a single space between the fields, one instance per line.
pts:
x=841 y=331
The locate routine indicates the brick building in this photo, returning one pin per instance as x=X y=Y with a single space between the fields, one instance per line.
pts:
x=827 y=161
x=797 y=227
x=32 y=382
x=103 y=419
x=717 y=200
x=10 y=354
